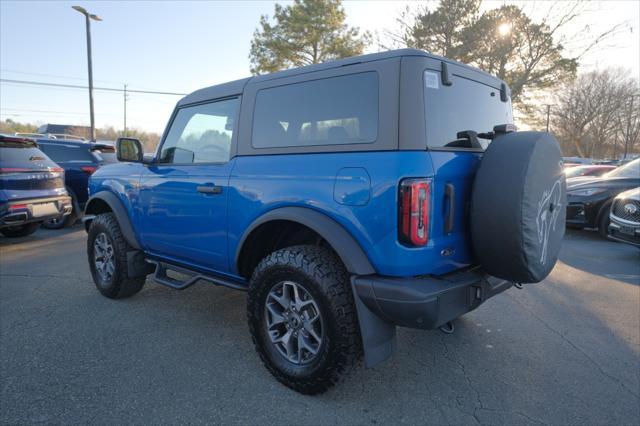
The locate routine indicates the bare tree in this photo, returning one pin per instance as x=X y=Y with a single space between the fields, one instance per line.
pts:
x=596 y=111
x=531 y=55
x=628 y=123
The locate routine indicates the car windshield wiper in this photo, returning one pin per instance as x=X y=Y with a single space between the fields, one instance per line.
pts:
x=469 y=138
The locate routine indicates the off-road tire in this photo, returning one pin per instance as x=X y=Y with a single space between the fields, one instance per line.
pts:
x=120 y=285
x=323 y=275
x=21 y=230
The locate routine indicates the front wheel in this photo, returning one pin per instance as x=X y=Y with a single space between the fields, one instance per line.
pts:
x=302 y=318
x=107 y=254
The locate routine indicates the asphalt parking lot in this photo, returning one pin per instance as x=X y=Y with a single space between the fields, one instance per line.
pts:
x=566 y=351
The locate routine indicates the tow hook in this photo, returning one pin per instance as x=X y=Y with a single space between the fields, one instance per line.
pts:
x=518 y=286
x=447 y=328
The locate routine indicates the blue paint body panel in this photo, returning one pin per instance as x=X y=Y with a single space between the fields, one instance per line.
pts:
x=352 y=187
x=174 y=221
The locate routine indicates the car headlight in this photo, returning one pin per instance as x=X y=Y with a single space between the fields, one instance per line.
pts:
x=586 y=192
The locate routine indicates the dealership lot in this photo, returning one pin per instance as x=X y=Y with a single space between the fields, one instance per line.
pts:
x=563 y=352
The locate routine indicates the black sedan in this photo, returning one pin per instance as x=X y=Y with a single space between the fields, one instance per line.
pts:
x=589 y=198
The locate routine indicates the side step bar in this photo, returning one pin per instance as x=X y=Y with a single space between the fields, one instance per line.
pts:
x=160 y=276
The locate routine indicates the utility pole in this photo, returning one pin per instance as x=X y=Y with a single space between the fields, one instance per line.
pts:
x=125 y=110
x=548 y=114
x=88 y=18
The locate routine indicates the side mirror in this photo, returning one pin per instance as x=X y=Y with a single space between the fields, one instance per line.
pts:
x=129 y=149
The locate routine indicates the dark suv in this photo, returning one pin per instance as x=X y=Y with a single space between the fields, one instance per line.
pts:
x=31 y=187
x=346 y=198
x=79 y=159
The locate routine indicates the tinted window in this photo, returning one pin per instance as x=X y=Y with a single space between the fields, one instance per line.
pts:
x=465 y=105
x=338 y=110
x=20 y=155
x=201 y=134
x=60 y=152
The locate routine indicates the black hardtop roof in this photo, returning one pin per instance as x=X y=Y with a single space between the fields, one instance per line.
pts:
x=235 y=87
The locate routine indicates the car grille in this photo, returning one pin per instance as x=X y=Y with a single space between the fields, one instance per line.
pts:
x=620 y=210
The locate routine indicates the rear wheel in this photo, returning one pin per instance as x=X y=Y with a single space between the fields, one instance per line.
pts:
x=302 y=318
x=21 y=230
x=107 y=253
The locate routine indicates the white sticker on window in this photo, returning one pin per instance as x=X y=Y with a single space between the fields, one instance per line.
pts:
x=431 y=79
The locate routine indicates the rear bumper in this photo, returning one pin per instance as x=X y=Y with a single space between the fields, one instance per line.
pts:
x=426 y=302
x=19 y=212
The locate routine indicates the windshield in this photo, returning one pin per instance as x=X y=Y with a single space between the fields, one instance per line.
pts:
x=629 y=170
x=464 y=105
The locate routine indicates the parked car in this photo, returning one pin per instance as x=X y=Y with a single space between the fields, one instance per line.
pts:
x=576 y=161
x=590 y=198
x=625 y=217
x=79 y=160
x=31 y=187
x=592 y=170
x=346 y=198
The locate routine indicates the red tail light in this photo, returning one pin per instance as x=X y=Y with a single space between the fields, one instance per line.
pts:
x=89 y=169
x=56 y=169
x=415 y=196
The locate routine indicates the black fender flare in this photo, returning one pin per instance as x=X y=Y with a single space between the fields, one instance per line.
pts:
x=347 y=248
x=119 y=211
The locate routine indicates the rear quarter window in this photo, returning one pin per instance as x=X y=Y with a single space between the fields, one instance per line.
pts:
x=332 y=111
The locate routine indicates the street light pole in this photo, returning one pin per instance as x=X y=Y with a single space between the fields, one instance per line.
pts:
x=88 y=18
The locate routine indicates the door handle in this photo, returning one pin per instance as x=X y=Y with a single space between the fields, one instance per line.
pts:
x=450 y=194
x=209 y=189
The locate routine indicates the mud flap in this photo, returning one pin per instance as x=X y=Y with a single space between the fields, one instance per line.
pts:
x=136 y=264
x=378 y=336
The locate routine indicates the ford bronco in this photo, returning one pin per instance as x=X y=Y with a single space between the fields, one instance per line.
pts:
x=346 y=198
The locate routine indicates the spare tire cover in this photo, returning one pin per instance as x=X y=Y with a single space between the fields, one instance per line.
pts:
x=518 y=206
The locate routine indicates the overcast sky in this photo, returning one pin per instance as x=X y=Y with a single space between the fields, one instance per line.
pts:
x=182 y=46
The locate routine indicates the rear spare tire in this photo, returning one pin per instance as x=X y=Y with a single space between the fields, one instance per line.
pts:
x=518 y=207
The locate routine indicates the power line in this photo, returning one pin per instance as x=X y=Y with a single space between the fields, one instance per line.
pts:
x=75 y=86
x=40 y=111
x=54 y=76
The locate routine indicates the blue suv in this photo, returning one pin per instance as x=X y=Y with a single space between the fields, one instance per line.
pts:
x=79 y=159
x=346 y=198
x=31 y=187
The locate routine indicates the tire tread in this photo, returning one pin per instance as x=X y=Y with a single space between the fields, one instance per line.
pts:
x=123 y=286
x=324 y=268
